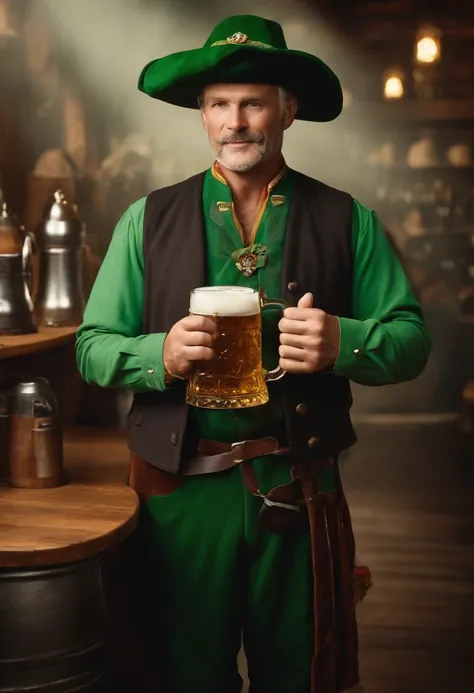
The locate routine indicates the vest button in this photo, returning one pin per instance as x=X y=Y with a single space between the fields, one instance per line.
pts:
x=313 y=442
x=174 y=438
x=302 y=409
x=294 y=287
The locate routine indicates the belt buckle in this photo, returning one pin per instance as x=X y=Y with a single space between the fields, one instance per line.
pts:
x=233 y=446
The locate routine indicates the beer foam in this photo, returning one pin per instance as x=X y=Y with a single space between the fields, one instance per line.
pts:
x=227 y=301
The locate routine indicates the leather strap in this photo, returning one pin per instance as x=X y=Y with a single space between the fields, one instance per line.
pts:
x=214 y=456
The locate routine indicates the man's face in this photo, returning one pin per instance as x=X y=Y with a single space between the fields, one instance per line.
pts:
x=245 y=123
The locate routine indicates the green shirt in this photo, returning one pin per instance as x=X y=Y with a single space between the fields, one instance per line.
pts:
x=384 y=342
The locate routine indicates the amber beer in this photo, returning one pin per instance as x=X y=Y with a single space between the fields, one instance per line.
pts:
x=235 y=377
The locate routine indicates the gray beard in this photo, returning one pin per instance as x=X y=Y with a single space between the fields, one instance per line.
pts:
x=245 y=166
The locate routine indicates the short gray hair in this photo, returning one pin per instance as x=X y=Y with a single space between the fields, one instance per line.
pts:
x=284 y=96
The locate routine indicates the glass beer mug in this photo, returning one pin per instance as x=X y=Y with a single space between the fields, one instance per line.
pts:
x=235 y=377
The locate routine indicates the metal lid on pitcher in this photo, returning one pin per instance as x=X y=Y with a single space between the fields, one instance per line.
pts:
x=61 y=209
x=61 y=225
x=34 y=397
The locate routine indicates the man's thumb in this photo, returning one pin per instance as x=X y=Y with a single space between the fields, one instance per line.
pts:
x=306 y=301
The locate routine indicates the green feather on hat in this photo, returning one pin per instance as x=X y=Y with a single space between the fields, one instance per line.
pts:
x=245 y=49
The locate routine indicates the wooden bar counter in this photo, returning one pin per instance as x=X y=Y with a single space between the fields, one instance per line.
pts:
x=55 y=544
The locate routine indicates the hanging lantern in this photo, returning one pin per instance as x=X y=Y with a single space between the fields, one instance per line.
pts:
x=393 y=84
x=427 y=78
x=428 y=45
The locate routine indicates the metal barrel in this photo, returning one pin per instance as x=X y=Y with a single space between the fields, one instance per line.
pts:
x=52 y=624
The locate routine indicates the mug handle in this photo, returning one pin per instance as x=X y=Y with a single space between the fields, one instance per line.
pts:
x=278 y=372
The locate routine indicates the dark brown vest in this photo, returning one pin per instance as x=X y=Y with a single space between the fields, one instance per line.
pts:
x=317 y=257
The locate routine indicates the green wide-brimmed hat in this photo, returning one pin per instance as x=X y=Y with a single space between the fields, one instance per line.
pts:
x=242 y=50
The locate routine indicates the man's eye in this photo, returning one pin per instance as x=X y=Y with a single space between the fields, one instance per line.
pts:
x=218 y=104
x=254 y=104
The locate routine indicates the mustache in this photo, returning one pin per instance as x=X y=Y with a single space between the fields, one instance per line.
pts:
x=247 y=137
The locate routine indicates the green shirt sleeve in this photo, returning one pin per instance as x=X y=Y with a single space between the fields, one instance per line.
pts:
x=386 y=341
x=111 y=350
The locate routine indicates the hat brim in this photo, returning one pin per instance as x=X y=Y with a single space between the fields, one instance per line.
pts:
x=180 y=78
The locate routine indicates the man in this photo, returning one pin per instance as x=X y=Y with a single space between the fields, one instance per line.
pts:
x=239 y=543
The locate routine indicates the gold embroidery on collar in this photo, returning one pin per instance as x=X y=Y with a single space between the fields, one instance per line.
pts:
x=224 y=206
x=217 y=174
x=278 y=200
x=273 y=183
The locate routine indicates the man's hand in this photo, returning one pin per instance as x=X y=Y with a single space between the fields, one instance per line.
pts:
x=309 y=339
x=189 y=340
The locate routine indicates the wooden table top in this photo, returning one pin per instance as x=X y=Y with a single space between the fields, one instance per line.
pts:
x=12 y=346
x=95 y=511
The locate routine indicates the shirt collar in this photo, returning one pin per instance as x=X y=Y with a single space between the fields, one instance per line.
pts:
x=218 y=174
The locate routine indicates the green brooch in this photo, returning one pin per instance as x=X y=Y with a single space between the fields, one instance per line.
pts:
x=248 y=260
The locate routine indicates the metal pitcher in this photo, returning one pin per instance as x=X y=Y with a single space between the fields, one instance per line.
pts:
x=35 y=436
x=16 y=306
x=60 y=300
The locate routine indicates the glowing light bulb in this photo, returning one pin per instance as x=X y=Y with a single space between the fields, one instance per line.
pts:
x=428 y=46
x=393 y=84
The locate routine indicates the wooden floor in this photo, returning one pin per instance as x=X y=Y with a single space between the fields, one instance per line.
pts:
x=411 y=493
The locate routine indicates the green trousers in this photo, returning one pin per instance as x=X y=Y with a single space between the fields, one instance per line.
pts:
x=211 y=579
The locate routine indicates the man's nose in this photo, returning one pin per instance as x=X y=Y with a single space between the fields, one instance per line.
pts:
x=236 y=120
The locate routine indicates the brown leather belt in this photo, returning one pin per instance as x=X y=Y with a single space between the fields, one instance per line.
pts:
x=213 y=456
